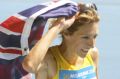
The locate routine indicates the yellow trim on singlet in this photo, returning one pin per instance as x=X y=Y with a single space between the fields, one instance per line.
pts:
x=62 y=64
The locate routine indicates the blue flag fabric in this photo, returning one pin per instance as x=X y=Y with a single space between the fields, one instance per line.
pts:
x=19 y=32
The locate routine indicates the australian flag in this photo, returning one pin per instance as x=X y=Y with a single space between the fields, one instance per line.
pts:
x=21 y=31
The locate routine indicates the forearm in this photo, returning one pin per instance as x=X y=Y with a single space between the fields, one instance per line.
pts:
x=38 y=52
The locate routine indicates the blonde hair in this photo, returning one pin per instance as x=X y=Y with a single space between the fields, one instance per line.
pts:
x=87 y=14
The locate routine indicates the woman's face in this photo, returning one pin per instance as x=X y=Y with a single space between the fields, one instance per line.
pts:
x=84 y=38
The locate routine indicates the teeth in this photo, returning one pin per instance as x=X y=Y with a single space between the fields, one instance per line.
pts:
x=85 y=50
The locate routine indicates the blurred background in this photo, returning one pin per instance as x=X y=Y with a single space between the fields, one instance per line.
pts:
x=109 y=37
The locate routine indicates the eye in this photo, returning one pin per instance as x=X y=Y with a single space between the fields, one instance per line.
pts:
x=85 y=37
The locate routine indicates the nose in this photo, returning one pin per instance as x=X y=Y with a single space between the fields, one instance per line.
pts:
x=91 y=43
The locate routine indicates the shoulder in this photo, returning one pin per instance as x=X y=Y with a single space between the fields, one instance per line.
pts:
x=49 y=64
x=95 y=55
x=49 y=56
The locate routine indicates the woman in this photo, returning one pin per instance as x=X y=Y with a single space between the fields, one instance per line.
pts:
x=76 y=57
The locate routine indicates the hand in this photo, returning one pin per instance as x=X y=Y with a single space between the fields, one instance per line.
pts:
x=64 y=23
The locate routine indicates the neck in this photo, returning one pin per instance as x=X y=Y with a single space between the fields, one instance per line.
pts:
x=69 y=53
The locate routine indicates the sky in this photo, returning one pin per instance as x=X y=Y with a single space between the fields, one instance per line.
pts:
x=108 y=38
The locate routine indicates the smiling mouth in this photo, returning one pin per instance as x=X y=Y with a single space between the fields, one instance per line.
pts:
x=85 y=50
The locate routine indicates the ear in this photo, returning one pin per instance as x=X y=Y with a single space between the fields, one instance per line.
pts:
x=66 y=34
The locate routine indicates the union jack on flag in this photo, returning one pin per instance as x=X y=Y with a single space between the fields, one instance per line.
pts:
x=19 y=32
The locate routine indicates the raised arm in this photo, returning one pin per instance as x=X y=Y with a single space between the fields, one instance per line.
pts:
x=38 y=52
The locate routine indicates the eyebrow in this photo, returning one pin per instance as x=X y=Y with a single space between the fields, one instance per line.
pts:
x=89 y=34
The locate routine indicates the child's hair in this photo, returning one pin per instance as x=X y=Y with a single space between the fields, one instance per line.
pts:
x=87 y=14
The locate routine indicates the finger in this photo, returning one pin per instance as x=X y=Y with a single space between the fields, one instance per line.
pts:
x=71 y=19
x=61 y=19
x=58 y=21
